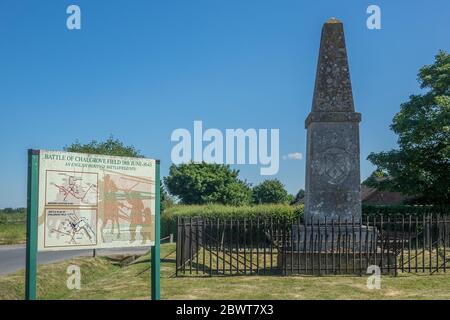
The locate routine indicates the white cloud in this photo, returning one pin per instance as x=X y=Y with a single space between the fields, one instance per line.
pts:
x=293 y=156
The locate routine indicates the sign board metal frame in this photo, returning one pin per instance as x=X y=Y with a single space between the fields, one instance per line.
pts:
x=32 y=229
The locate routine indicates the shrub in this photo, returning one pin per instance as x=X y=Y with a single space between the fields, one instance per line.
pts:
x=214 y=211
x=270 y=191
x=278 y=211
x=370 y=210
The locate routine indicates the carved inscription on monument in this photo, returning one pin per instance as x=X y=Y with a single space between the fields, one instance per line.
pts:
x=335 y=166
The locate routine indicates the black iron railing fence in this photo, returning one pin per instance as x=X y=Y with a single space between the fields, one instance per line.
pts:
x=276 y=246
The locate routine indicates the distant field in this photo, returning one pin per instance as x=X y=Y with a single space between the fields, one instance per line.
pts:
x=12 y=228
x=11 y=217
x=103 y=280
x=13 y=233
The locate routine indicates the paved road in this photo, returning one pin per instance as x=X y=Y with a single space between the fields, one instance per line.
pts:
x=12 y=258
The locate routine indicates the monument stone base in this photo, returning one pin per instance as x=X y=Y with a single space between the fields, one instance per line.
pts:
x=334 y=238
x=334 y=263
x=340 y=249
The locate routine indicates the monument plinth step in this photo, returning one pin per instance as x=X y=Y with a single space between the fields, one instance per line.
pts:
x=334 y=263
x=332 y=117
x=354 y=238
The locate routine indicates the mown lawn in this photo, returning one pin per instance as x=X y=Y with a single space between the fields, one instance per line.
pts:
x=103 y=280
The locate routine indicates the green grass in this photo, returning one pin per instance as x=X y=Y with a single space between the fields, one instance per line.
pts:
x=51 y=282
x=103 y=280
x=13 y=233
x=11 y=217
x=13 y=228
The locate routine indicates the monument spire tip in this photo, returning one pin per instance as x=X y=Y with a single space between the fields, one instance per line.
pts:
x=333 y=20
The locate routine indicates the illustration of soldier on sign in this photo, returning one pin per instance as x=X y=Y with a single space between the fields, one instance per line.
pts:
x=127 y=213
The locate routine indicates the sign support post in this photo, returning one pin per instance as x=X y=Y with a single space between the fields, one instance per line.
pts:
x=32 y=222
x=155 y=251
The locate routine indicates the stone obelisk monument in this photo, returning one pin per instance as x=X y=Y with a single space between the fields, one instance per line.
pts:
x=332 y=154
x=332 y=221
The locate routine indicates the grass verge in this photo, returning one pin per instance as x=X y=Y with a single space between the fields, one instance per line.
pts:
x=13 y=233
x=103 y=280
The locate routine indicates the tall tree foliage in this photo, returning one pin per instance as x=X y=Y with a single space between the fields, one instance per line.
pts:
x=115 y=147
x=112 y=147
x=421 y=165
x=298 y=197
x=200 y=183
x=270 y=191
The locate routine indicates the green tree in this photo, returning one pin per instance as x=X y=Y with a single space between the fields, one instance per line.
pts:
x=167 y=201
x=375 y=178
x=111 y=147
x=200 y=183
x=270 y=191
x=291 y=199
x=299 y=196
x=115 y=147
x=237 y=193
x=421 y=165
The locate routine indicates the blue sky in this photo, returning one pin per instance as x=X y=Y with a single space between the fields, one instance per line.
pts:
x=140 y=69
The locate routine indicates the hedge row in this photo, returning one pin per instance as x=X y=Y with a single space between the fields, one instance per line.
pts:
x=405 y=210
x=214 y=211
x=170 y=215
